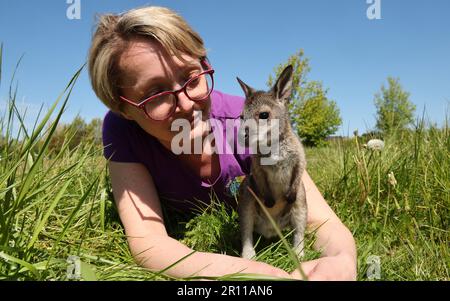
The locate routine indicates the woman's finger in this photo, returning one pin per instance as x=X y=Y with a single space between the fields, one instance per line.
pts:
x=309 y=266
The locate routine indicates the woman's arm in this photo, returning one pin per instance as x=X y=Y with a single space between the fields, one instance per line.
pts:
x=140 y=212
x=338 y=261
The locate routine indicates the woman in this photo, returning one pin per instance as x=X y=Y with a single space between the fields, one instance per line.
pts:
x=149 y=67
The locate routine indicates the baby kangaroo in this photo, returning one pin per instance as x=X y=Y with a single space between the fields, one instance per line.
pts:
x=277 y=181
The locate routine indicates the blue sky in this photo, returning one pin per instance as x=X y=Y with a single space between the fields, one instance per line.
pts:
x=349 y=53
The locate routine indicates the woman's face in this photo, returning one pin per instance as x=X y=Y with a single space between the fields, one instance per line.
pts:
x=146 y=67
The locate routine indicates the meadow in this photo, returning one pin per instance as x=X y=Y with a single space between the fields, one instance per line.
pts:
x=57 y=208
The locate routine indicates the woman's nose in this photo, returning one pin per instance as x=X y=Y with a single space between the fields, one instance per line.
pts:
x=184 y=103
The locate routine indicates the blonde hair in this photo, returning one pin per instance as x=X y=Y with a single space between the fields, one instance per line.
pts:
x=115 y=31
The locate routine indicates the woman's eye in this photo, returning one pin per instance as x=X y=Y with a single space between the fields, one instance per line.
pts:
x=194 y=82
x=263 y=115
x=194 y=79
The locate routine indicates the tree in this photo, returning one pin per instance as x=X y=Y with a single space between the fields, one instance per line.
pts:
x=94 y=130
x=394 y=110
x=79 y=132
x=313 y=115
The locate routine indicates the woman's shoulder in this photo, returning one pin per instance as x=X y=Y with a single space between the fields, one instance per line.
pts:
x=115 y=124
x=113 y=120
x=122 y=138
x=226 y=105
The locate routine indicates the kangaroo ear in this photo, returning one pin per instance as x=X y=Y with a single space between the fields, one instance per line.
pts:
x=283 y=87
x=247 y=89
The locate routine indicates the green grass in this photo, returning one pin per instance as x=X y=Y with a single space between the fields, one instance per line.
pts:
x=405 y=223
x=56 y=203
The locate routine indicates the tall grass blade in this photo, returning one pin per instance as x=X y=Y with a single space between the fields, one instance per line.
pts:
x=1 y=59
x=43 y=221
x=23 y=263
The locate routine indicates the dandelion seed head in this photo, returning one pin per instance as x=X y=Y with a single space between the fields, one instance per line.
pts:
x=375 y=144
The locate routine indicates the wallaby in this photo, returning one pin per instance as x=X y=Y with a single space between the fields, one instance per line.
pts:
x=279 y=184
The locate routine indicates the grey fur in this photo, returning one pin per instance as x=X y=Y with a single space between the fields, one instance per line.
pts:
x=278 y=186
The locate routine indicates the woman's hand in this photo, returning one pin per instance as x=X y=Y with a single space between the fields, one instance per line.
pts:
x=333 y=239
x=331 y=268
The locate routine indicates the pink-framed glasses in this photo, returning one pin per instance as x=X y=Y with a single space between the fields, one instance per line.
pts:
x=162 y=105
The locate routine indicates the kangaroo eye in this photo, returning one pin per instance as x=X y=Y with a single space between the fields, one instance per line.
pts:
x=263 y=115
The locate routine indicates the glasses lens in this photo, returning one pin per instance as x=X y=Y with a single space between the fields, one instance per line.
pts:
x=200 y=87
x=161 y=107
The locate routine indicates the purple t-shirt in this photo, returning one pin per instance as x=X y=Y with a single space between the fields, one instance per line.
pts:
x=125 y=141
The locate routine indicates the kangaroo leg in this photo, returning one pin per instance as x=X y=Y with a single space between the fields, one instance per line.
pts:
x=247 y=213
x=291 y=194
x=298 y=220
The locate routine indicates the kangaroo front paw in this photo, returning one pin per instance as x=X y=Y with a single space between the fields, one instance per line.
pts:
x=269 y=202
x=291 y=196
x=248 y=253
